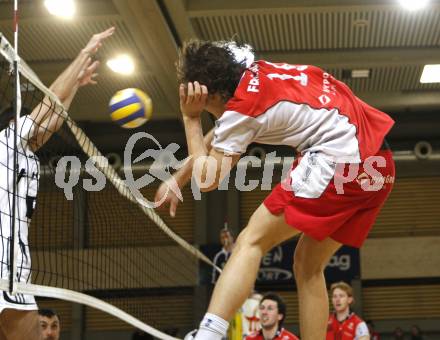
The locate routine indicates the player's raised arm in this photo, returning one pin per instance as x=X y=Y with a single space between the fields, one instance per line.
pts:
x=193 y=100
x=81 y=72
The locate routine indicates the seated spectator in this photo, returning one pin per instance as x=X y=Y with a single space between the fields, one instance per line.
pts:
x=50 y=324
x=398 y=334
x=416 y=333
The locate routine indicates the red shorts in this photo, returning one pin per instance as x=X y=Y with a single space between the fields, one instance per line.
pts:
x=344 y=206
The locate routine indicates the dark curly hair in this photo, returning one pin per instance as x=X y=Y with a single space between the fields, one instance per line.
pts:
x=212 y=64
x=280 y=304
x=48 y=313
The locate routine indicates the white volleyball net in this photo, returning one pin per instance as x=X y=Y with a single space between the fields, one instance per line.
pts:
x=83 y=240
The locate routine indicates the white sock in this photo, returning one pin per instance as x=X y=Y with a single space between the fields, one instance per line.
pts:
x=212 y=327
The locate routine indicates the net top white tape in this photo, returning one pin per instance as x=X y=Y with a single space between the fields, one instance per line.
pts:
x=76 y=297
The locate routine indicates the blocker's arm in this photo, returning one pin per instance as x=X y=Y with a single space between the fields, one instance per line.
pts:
x=80 y=72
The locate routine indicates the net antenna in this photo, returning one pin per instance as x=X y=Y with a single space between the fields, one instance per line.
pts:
x=17 y=107
x=12 y=284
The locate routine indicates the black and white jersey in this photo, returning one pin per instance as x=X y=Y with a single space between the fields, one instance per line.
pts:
x=219 y=260
x=27 y=176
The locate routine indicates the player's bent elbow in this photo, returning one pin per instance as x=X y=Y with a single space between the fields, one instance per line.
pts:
x=207 y=181
x=208 y=188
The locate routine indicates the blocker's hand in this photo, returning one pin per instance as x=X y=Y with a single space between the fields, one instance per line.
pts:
x=96 y=40
x=88 y=73
x=82 y=71
x=193 y=99
x=89 y=67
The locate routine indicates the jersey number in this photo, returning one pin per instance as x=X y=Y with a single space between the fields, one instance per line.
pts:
x=302 y=78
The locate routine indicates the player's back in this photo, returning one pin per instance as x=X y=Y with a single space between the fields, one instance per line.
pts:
x=322 y=105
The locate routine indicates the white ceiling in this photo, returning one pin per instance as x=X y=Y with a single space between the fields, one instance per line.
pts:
x=336 y=35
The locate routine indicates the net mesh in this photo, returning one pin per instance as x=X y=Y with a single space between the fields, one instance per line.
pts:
x=100 y=241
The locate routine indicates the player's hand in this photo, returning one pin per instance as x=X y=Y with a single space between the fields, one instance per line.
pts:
x=88 y=73
x=88 y=70
x=171 y=198
x=96 y=41
x=82 y=70
x=193 y=99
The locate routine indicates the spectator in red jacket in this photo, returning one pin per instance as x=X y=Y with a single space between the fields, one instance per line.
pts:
x=343 y=324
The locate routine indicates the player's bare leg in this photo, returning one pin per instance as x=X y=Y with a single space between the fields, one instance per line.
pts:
x=263 y=232
x=311 y=257
x=2 y=335
x=19 y=325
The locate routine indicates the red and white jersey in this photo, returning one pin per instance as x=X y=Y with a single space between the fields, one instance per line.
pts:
x=250 y=315
x=300 y=106
x=281 y=334
x=352 y=328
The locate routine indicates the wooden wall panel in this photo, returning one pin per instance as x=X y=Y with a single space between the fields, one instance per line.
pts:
x=400 y=257
x=115 y=221
x=401 y=302
x=167 y=311
x=115 y=268
x=52 y=221
x=291 y=300
x=411 y=210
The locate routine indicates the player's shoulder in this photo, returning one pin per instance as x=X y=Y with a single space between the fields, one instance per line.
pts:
x=286 y=335
x=249 y=99
x=362 y=329
x=219 y=253
x=263 y=85
x=245 y=95
x=266 y=68
x=356 y=318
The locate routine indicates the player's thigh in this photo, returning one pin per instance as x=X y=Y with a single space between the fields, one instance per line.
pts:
x=20 y=325
x=2 y=335
x=312 y=255
x=266 y=230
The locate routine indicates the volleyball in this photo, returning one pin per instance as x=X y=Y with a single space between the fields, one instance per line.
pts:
x=130 y=108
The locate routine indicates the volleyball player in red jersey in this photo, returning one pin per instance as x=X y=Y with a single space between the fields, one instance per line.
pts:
x=343 y=324
x=337 y=185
